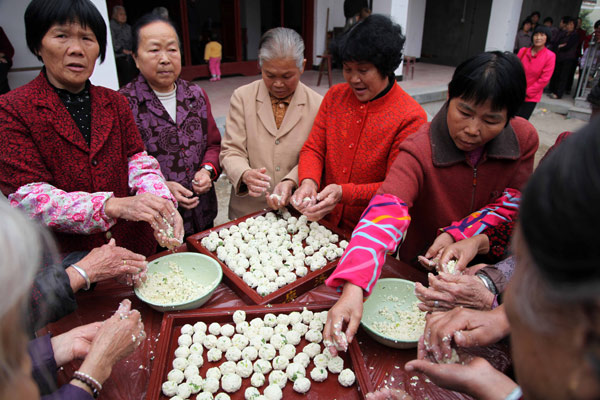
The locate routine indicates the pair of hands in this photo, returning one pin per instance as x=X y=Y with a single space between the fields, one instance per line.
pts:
x=101 y=344
x=160 y=213
x=258 y=184
x=318 y=204
x=185 y=197
x=445 y=249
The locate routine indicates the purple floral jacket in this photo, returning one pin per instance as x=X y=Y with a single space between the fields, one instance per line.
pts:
x=181 y=147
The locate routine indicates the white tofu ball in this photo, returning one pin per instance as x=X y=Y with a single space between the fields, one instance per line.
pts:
x=242 y=265
x=283 y=270
x=184 y=340
x=312 y=349
x=197 y=348
x=322 y=316
x=257 y=322
x=205 y=396
x=222 y=396
x=307 y=316
x=244 y=368
x=295 y=317
x=169 y=388
x=262 y=366
x=187 y=329
x=278 y=340
x=339 y=252
x=301 y=271
x=309 y=250
x=182 y=351
x=270 y=320
x=213 y=235
x=318 y=374
x=240 y=341
x=223 y=233
x=239 y=270
x=257 y=341
x=214 y=329
x=294 y=371
x=251 y=393
x=273 y=392
x=293 y=337
x=281 y=329
x=280 y=281
x=321 y=361
x=343 y=244
x=272 y=287
x=300 y=328
x=316 y=324
x=180 y=363
x=331 y=255
x=196 y=359
x=223 y=343
x=251 y=281
x=314 y=336
x=327 y=353
x=267 y=352
x=214 y=373
x=200 y=327
x=266 y=332
x=233 y=354
x=175 y=375
x=211 y=385
x=335 y=365
x=227 y=330
x=214 y=355
x=196 y=383
x=289 y=277
x=239 y=316
x=302 y=359
x=346 y=378
x=198 y=338
x=249 y=353
x=228 y=367
x=184 y=391
x=302 y=385
x=288 y=351
x=280 y=362
x=241 y=327
x=191 y=370
x=278 y=378
x=234 y=228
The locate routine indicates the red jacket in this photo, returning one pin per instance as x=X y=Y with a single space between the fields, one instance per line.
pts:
x=439 y=185
x=353 y=144
x=40 y=142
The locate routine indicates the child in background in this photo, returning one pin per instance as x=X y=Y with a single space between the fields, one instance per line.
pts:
x=212 y=54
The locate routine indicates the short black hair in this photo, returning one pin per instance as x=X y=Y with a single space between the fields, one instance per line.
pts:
x=565 y=20
x=549 y=19
x=545 y=30
x=41 y=15
x=535 y=13
x=526 y=21
x=376 y=39
x=148 y=19
x=495 y=76
x=596 y=24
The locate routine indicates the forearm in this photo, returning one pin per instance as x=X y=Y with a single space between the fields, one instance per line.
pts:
x=359 y=194
x=145 y=176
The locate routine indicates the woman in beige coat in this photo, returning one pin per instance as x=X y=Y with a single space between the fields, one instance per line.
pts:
x=268 y=122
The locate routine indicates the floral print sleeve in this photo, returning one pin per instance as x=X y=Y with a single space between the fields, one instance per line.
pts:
x=145 y=177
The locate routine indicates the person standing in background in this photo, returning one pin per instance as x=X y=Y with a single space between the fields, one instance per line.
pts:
x=6 y=54
x=566 y=57
x=549 y=23
x=121 y=36
x=523 y=38
x=535 y=19
x=212 y=54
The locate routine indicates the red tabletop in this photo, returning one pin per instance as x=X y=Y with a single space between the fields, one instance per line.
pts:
x=130 y=377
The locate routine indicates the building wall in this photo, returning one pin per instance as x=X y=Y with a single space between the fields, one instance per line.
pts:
x=336 y=19
x=501 y=34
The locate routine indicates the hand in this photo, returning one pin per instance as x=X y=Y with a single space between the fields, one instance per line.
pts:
x=257 y=181
x=448 y=291
x=74 y=344
x=475 y=377
x=202 y=182
x=431 y=258
x=171 y=237
x=348 y=309
x=158 y=212
x=468 y=328
x=281 y=194
x=465 y=250
x=305 y=196
x=388 y=394
x=117 y=337
x=327 y=199
x=184 y=197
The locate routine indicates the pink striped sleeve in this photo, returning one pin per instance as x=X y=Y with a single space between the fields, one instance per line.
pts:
x=381 y=229
x=145 y=176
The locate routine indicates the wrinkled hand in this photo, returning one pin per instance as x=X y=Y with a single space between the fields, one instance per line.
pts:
x=347 y=310
x=202 y=182
x=144 y=207
x=475 y=377
x=431 y=258
x=74 y=344
x=305 y=196
x=388 y=394
x=448 y=291
x=281 y=195
x=184 y=197
x=466 y=327
x=170 y=237
x=465 y=250
x=257 y=181
x=327 y=199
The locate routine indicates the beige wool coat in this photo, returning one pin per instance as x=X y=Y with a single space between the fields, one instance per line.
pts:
x=252 y=140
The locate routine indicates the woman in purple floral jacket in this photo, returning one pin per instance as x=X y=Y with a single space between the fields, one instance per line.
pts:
x=175 y=121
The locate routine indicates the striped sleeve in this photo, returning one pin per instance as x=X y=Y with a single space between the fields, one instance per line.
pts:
x=381 y=229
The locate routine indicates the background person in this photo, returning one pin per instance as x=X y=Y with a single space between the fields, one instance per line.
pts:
x=6 y=54
x=122 y=45
x=212 y=55
x=566 y=59
x=524 y=36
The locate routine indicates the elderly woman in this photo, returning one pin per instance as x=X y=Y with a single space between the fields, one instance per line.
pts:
x=472 y=156
x=268 y=122
x=100 y=344
x=359 y=128
x=552 y=303
x=175 y=121
x=70 y=153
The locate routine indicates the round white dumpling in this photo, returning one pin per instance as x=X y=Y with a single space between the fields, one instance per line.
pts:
x=278 y=340
x=266 y=332
x=301 y=271
x=214 y=329
x=214 y=355
x=309 y=250
x=318 y=374
x=251 y=393
x=180 y=363
x=346 y=378
x=257 y=322
x=211 y=385
x=240 y=341
x=250 y=353
x=278 y=378
x=293 y=337
x=335 y=365
x=196 y=383
x=322 y=316
x=280 y=362
x=244 y=368
x=184 y=391
x=262 y=366
x=233 y=354
x=227 y=330
x=302 y=358
x=321 y=360
x=169 y=388
x=182 y=351
x=343 y=244
x=283 y=319
x=187 y=329
x=205 y=396
x=295 y=317
x=175 y=375
x=288 y=351
x=300 y=328
x=316 y=324
x=267 y=352
x=222 y=396
x=302 y=385
x=185 y=340
x=228 y=367
x=200 y=327
x=198 y=338
x=239 y=316
x=312 y=349
x=257 y=379
x=210 y=341
x=314 y=336
x=281 y=329
x=294 y=371
x=242 y=327
x=223 y=343
x=273 y=392
x=196 y=359
x=191 y=370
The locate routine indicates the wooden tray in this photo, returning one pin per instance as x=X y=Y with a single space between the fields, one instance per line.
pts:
x=330 y=389
x=285 y=294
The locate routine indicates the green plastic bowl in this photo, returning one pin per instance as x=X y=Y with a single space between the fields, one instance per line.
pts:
x=197 y=267
x=384 y=288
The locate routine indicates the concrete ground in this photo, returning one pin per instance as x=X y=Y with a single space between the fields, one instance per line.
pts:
x=428 y=87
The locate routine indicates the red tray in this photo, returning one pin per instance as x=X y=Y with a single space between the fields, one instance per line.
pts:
x=285 y=294
x=330 y=389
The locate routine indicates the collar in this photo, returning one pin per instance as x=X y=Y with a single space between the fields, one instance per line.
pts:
x=143 y=92
x=287 y=100
x=390 y=85
x=64 y=93
x=445 y=153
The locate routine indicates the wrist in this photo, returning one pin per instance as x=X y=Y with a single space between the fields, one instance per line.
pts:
x=97 y=367
x=76 y=281
x=483 y=244
x=62 y=355
x=351 y=290
x=308 y=182
x=111 y=208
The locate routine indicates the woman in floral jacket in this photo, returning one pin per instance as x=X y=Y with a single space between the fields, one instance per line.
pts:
x=175 y=121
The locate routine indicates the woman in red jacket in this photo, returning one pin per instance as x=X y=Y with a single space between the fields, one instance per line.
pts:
x=360 y=125
x=538 y=63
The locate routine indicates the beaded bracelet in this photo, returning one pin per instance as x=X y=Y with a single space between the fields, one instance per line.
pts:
x=88 y=380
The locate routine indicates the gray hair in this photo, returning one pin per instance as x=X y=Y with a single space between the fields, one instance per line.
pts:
x=281 y=43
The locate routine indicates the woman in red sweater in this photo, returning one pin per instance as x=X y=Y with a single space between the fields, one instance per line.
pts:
x=360 y=125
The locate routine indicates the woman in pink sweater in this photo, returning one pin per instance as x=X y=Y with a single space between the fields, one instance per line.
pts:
x=538 y=63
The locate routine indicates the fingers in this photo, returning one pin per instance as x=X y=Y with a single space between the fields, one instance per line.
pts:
x=112 y=242
x=427 y=263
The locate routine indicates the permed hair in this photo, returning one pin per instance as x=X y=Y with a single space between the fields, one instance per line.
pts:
x=281 y=43
x=495 y=76
x=41 y=15
x=148 y=19
x=376 y=39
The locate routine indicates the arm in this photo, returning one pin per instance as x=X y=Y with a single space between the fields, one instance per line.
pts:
x=312 y=155
x=546 y=74
x=145 y=177
x=213 y=143
x=207 y=52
